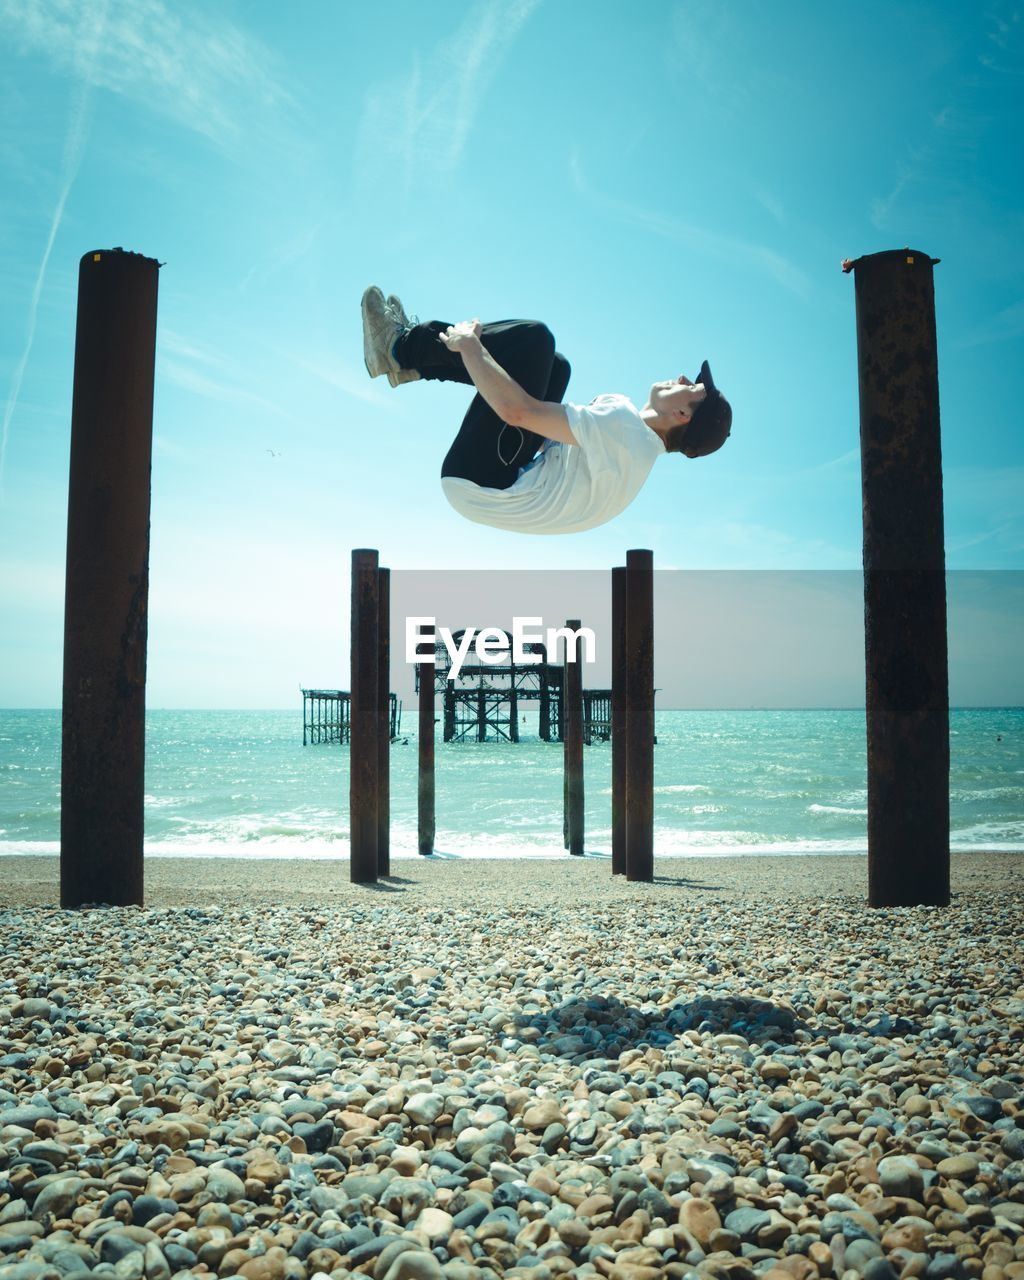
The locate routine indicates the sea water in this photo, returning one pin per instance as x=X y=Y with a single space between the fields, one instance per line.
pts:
x=241 y=784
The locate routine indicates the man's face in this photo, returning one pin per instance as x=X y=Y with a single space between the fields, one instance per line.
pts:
x=677 y=398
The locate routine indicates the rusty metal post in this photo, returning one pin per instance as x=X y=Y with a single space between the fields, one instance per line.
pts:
x=907 y=687
x=573 y=750
x=544 y=716
x=384 y=727
x=639 y=715
x=426 y=793
x=618 y=655
x=364 y=720
x=107 y=582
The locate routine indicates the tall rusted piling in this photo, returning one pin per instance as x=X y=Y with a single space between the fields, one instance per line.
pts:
x=107 y=582
x=365 y=723
x=618 y=656
x=384 y=722
x=572 y=702
x=639 y=693
x=425 y=792
x=904 y=580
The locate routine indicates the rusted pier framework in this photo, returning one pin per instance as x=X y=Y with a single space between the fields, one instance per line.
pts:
x=326 y=715
x=483 y=704
x=907 y=688
x=597 y=715
x=107 y=582
x=582 y=715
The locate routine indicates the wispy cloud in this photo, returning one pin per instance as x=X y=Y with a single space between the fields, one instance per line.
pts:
x=832 y=464
x=192 y=65
x=728 y=248
x=966 y=541
x=882 y=206
x=938 y=168
x=282 y=255
x=91 y=39
x=336 y=373
x=760 y=546
x=770 y=202
x=420 y=119
x=176 y=344
x=1005 y=36
x=205 y=372
x=211 y=388
x=1000 y=327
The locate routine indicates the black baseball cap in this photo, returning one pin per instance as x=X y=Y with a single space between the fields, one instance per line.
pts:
x=712 y=419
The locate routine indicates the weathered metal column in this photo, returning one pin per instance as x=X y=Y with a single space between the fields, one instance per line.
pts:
x=107 y=582
x=426 y=794
x=572 y=701
x=639 y=715
x=364 y=720
x=904 y=581
x=544 y=717
x=513 y=705
x=384 y=727
x=618 y=655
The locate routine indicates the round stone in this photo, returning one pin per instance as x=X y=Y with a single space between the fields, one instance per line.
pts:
x=542 y=1113
x=424 y=1108
x=435 y=1223
x=964 y=1168
x=901 y=1176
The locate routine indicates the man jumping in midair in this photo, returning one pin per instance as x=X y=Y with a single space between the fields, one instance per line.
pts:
x=522 y=460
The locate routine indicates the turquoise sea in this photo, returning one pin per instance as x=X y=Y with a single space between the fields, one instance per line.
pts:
x=241 y=784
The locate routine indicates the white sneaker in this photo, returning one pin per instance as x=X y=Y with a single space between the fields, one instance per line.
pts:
x=383 y=323
x=403 y=375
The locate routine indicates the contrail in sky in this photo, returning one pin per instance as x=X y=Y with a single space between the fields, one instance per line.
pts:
x=74 y=147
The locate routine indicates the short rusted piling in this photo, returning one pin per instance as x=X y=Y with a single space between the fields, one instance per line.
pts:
x=639 y=681
x=107 y=582
x=384 y=722
x=907 y=689
x=365 y=723
x=618 y=656
x=425 y=792
x=572 y=702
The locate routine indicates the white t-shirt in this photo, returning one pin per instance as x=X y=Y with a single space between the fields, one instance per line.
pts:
x=570 y=487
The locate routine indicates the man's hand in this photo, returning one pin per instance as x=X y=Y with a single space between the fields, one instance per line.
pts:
x=504 y=395
x=457 y=337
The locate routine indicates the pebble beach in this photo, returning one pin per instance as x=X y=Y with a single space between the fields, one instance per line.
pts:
x=483 y=1068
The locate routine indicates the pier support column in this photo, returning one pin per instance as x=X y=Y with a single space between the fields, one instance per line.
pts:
x=384 y=727
x=907 y=687
x=544 y=716
x=513 y=706
x=107 y=582
x=364 y=729
x=639 y=672
x=572 y=701
x=426 y=792
x=618 y=734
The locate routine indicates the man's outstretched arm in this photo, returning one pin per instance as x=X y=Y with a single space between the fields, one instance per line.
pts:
x=505 y=396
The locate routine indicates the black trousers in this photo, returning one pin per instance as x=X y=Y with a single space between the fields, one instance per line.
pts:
x=486 y=450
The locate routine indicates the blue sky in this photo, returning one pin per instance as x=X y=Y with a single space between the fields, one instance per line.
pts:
x=659 y=182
